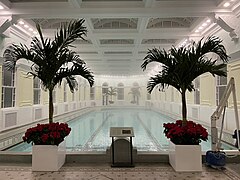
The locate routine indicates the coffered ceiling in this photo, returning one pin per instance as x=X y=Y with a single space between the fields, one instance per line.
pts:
x=120 y=32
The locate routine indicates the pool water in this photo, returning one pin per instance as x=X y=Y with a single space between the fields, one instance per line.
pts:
x=90 y=132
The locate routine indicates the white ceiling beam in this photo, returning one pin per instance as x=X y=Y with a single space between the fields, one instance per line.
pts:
x=6 y=4
x=7 y=23
x=164 y=33
x=66 y=12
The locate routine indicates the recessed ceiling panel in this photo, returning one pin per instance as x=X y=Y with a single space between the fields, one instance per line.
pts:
x=142 y=52
x=115 y=23
x=81 y=41
x=51 y=23
x=177 y=22
x=117 y=52
x=159 y=41
x=120 y=32
x=87 y=52
x=116 y=41
x=118 y=60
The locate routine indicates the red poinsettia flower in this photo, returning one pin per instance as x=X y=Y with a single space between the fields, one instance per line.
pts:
x=47 y=134
x=189 y=134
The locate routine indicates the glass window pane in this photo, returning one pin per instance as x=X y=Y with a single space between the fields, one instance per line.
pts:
x=120 y=93
x=104 y=90
x=8 y=97
x=7 y=80
x=92 y=93
x=36 y=83
x=223 y=80
x=148 y=96
x=221 y=91
x=36 y=97
x=54 y=96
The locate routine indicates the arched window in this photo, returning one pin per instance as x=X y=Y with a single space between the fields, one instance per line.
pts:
x=105 y=93
x=54 y=93
x=73 y=96
x=148 y=96
x=172 y=94
x=135 y=84
x=120 y=91
x=92 y=93
x=135 y=92
x=8 y=88
x=221 y=84
x=36 y=91
x=197 y=91
x=104 y=88
x=84 y=90
x=79 y=88
x=64 y=92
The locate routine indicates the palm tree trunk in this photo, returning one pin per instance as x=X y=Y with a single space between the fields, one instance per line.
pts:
x=184 y=108
x=50 y=106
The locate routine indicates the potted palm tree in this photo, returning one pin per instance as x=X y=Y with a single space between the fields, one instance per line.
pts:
x=179 y=69
x=135 y=95
x=52 y=61
x=112 y=92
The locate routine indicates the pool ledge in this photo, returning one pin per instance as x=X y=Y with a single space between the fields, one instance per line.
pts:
x=98 y=157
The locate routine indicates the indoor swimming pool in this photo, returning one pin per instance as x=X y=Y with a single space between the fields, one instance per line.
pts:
x=90 y=132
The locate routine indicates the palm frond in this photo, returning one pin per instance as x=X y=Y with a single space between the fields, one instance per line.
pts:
x=161 y=82
x=76 y=69
x=181 y=66
x=72 y=83
x=15 y=52
x=212 y=44
x=156 y=55
x=68 y=34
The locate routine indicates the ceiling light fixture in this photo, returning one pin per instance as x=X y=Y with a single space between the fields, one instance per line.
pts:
x=26 y=26
x=1 y=7
x=21 y=22
x=34 y=32
x=200 y=28
x=226 y=4
x=204 y=24
x=30 y=29
x=208 y=21
x=196 y=31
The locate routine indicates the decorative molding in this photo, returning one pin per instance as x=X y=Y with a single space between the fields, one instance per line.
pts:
x=205 y=102
x=25 y=103
x=234 y=56
x=219 y=21
x=23 y=66
x=235 y=67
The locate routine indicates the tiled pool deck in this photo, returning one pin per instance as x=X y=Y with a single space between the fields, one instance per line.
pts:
x=146 y=171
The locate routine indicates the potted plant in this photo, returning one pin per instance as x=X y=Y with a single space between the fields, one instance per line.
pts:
x=135 y=94
x=180 y=66
x=184 y=149
x=46 y=139
x=112 y=92
x=52 y=61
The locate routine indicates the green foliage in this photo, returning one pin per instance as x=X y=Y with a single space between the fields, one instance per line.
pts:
x=52 y=60
x=181 y=66
x=112 y=92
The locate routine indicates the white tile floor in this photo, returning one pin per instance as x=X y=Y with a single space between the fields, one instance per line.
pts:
x=105 y=172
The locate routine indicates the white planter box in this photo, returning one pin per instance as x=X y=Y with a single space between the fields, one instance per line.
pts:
x=185 y=158
x=48 y=157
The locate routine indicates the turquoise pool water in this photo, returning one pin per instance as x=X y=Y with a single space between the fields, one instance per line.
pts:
x=90 y=132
